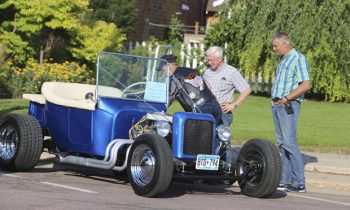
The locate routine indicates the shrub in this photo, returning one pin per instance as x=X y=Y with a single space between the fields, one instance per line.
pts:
x=30 y=78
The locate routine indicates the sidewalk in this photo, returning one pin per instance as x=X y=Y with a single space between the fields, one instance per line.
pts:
x=327 y=163
x=326 y=170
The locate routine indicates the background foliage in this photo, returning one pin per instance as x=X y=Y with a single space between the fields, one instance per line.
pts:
x=56 y=35
x=30 y=78
x=318 y=28
x=76 y=31
x=35 y=28
x=120 y=12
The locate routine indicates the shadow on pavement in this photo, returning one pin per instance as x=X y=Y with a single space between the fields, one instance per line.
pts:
x=178 y=189
x=309 y=159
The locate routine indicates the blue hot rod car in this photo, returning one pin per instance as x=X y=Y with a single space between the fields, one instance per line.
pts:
x=121 y=124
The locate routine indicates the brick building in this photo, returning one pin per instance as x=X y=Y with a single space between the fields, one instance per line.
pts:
x=154 y=16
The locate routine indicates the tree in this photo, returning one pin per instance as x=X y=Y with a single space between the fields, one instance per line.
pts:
x=53 y=29
x=37 y=25
x=50 y=32
x=123 y=13
x=175 y=33
x=90 y=41
x=319 y=29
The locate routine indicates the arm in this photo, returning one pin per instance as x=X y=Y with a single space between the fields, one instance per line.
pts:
x=300 y=90
x=207 y=83
x=242 y=96
x=173 y=89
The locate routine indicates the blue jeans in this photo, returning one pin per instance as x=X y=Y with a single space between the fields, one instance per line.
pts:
x=227 y=119
x=286 y=130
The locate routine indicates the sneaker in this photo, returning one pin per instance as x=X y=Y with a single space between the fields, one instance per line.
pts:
x=299 y=189
x=282 y=186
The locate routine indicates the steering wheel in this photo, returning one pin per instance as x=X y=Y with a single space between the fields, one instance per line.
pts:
x=125 y=91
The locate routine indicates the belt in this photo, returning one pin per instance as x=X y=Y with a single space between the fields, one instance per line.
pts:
x=276 y=100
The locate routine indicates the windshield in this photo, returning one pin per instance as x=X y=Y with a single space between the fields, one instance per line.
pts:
x=131 y=77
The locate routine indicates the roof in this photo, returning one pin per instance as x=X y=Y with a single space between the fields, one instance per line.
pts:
x=211 y=7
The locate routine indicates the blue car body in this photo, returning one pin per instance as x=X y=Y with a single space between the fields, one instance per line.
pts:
x=89 y=132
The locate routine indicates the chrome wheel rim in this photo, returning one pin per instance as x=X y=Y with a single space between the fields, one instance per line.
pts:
x=8 y=142
x=143 y=165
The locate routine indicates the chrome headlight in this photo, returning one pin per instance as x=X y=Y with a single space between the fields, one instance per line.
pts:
x=224 y=132
x=162 y=127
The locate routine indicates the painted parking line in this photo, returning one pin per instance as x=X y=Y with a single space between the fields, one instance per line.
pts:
x=11 y=175
x=68 y=187
x=52 y=184
x=318 y=199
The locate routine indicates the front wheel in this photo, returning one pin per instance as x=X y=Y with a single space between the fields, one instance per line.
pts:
x=150 y=165
x=21 y=142
x=259 y=168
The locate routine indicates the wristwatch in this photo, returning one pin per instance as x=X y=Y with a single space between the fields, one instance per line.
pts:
x=235 y=106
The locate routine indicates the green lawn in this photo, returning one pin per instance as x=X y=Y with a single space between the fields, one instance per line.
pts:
x=13 y=106
x=322 y=126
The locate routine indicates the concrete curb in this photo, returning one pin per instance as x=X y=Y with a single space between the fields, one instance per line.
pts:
x=327 y=163
x=327 y=169
x=328 y=185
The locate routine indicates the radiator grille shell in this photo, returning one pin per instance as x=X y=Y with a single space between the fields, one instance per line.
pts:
x=198 y=137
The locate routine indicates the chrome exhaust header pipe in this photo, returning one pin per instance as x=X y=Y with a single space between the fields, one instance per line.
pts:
x=109 y=160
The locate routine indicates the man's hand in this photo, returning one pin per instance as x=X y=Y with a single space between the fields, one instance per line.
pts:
x=282 y=102
x=226 y=107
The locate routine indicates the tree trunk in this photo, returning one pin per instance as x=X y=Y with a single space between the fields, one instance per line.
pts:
x=46 y=46
x=41 y=57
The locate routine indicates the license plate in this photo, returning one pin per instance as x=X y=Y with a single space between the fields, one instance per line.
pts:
x=207 y=162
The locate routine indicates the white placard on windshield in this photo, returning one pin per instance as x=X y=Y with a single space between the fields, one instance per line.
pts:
x=155 y=91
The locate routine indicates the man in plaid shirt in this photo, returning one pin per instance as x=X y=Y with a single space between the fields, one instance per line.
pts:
x=291 y=82
x=224 y=80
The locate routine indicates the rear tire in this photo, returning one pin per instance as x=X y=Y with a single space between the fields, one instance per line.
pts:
x=21 y=142
x=150 y=165
x=259 y=164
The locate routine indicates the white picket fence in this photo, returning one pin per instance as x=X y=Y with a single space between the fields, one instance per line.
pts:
x=192 y=55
